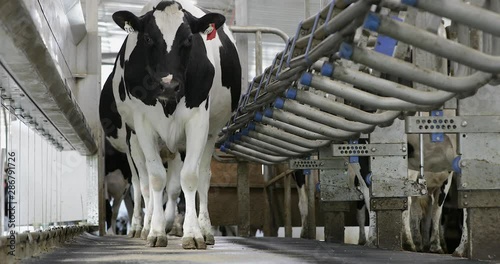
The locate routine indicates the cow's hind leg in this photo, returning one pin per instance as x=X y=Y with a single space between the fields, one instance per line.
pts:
x=173 y=190
x=203 y=186
x=157 y=180
x=361 y=218
x=140 y=183
x=196 y=138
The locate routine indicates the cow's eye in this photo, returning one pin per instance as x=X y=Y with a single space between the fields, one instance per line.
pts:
x=148 y=39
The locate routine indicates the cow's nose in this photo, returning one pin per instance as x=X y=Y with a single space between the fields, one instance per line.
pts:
x=167 y=79
x=172 y=86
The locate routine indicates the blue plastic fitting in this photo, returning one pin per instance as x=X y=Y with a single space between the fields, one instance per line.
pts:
x=306 y=79
x=279 y=103
x=258 y=117
x=410 y=2
x=291 y=93
x=268 y=112
x=251 y=126
x=245 y=132
x=227 y=145
x=231 y=138
x=327 y=69
x=345 y=51
x=368 y=179
x=237 y=137
x=223 y=149
x=372 y=22
x=318 y=187
x=455 y=164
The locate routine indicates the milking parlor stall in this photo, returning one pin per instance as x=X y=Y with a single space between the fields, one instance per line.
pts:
x=249 y=131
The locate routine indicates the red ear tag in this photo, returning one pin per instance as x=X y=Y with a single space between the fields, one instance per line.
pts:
x=213 y=31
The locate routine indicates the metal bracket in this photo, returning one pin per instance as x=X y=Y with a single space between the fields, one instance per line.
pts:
x=456 y=124
x=380 y=204
x=479 y=199
x=381 y=149
x=317 y=164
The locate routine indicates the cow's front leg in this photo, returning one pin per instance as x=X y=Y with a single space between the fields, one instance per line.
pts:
x=157 y=181
x=196 y=138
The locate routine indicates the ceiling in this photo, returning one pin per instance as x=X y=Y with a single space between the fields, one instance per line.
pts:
x=281 y=14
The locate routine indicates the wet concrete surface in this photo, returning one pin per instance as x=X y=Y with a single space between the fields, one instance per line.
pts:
x=88 y=248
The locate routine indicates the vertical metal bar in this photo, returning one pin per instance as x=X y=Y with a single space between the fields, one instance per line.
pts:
x=258 y=53
x=241 y=12
x=288 y=206
x=243 y=200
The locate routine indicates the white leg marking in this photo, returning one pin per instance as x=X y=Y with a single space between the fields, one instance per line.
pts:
x=203 y=186
x=303 y=209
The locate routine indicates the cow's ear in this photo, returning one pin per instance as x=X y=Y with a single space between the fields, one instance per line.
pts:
x=127 y=21
x=201 y=24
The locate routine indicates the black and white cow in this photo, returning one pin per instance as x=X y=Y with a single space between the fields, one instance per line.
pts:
x=300 y=180
x=423 y=225
x=176 y=80
x=117 y=181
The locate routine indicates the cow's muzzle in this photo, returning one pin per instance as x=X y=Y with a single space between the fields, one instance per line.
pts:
x=169 y=88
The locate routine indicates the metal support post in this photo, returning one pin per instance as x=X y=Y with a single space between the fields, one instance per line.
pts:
x=334 y=214
x=390 y=186
x=243 y=200
x=288 y=207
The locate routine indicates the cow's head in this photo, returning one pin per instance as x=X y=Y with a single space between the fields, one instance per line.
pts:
x=164 y=42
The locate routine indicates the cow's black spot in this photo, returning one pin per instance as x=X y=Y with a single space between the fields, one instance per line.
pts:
x=121 y=90
x=231 y=68
x=111 y=121
x=200 y=74
x=116 y=160
x=411 y=151
x=129 y=132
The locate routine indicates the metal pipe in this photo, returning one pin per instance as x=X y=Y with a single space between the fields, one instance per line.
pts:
x=311 y=125
x=323 y=117
x=255 y=29
x=249 y=143
x=248 y=157
x=278 y=142
x=253 y=153
x=258 y=53
x=277 y=150
x=464 y=13
x=361 y=97
x=291 y=128
x=336 y=108
x=438 y=45
x=383 y=63
x=387 y=88
x=293 y=139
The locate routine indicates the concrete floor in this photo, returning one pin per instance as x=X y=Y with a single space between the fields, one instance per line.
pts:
x=88 y=248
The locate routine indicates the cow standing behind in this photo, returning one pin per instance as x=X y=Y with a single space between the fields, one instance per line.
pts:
x=176 y=80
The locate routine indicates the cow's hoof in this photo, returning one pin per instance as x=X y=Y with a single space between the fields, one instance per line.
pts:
x=436 y=249
x=156 y=241
x=134 y=233
x=193 y=243
x=176 y=231
x=409 y=247
x=144 y=234
x=209 y=239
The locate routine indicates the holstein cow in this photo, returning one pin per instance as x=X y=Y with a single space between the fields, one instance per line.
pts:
x=176 y=80
x=117 y=182
x=438 y=159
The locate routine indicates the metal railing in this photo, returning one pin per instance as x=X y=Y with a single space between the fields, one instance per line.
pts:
x=286 y=111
